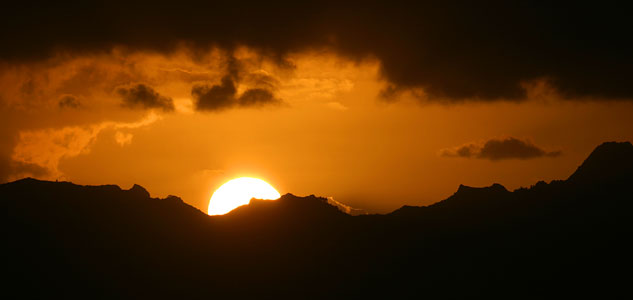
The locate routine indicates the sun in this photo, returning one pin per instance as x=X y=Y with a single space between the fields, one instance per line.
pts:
x=238 y=192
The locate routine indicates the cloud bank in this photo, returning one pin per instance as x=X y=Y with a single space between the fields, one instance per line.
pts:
x=499 y=149
x=457 y=50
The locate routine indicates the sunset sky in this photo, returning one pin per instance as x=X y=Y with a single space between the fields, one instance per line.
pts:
x=377 y=106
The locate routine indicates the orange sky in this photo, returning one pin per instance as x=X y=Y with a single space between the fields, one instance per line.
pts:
x=328 y=132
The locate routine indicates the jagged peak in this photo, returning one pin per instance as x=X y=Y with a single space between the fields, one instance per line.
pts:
x=174 y=199
x=139 y=190
x=291 y=197
x=495 y=187
x=291 y=204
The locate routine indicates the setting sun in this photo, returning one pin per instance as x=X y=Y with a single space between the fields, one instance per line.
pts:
x=238 y=192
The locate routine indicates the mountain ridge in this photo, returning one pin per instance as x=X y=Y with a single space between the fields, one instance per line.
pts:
x=550 y=239
x=611 y=152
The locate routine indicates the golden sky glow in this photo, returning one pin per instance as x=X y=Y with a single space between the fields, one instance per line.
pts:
x=401 y=148
x=328 y=132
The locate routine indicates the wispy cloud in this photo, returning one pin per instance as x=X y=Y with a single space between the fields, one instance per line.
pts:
x=47 y=147
x=346 y=208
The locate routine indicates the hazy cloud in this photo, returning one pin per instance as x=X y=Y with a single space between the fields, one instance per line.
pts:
x=143 y=96
x=262 y=79
x=44 y=149
x=69 y=101
x=460 y=50
x=12 y=170
x=498 y=149
x=123 y=138
x=337 y=106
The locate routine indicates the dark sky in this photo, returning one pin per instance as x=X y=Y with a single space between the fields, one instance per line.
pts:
x=455 y=50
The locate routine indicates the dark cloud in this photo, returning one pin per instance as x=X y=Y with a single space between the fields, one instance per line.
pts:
x=224 y=95
x=143 y=96
x=215 y=97
x=498 y=149
x=68 y=101
x=257 y=97
x=452 y=49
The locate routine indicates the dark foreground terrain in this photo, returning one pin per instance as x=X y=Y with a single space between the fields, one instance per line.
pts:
x=560 y=239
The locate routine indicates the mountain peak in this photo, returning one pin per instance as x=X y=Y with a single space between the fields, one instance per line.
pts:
x=467 y=190
x=291 y=206
x=610 y=160
x=139 y=190
x=465 y=196
x=474 y=196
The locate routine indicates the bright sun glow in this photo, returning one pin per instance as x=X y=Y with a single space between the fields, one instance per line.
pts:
x=238 y=192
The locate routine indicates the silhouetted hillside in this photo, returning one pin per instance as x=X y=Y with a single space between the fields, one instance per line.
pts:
x=608 y=162
x=564 y=238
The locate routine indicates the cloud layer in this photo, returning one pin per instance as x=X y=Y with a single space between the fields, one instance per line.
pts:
x=453 y=51
x=499 y=149
x=143 y=96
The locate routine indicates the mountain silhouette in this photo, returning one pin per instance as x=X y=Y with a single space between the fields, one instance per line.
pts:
x=608 y=162
x=565 y=238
